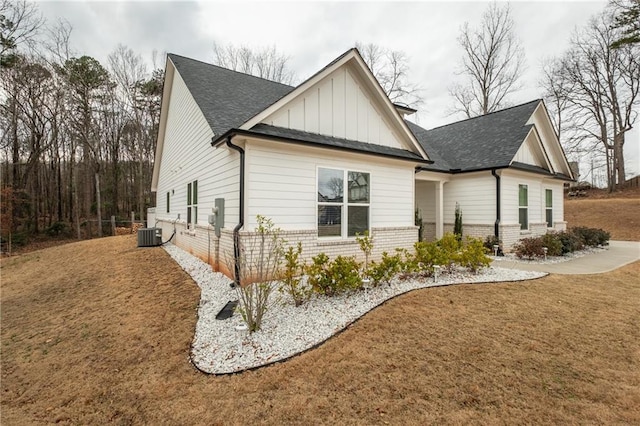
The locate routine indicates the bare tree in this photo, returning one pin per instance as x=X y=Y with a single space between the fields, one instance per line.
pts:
x=493 y=62
x=20 y=23
x=265 y=62
x=600 y=87
x=390 y=67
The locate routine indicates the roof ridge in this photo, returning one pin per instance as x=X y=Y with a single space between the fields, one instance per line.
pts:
x=230 y=70
x=485 y=115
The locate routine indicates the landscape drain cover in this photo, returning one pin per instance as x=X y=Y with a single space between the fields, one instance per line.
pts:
x=227 y=311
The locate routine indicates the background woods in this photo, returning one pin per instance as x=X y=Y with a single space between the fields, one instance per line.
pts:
x=77 y=136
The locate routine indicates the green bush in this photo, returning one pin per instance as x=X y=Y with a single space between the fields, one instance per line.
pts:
x=450 y=246
x=529 y=248
x=591 y=237
x=473 y=255
x=292 y=276
x=388 y=268
x=457 y=225
x=570 y=242
x=553 y=244
x=429 y=254
x=333 y=277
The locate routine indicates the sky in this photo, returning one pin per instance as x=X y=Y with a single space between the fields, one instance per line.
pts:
x=312 y=34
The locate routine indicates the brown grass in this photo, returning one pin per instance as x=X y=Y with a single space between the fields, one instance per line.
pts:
x=99 y=332
x=619 y=216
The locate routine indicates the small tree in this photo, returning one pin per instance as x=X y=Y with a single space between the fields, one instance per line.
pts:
x=366 y=245
x=292 y=276
x=457 y=226
x=258 y=265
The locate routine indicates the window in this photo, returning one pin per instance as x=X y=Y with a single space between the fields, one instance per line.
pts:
x=342 y=209
x=168 y=202
x=549 y=207
x=523 y=204
x=192 y=203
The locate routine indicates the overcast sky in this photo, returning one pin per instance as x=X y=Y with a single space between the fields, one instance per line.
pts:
x=314 y=33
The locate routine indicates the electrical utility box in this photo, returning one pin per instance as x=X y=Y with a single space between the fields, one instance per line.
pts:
x=149 y=237
x=219 y=220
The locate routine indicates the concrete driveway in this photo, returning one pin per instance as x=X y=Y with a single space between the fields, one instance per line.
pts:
x=618 y=254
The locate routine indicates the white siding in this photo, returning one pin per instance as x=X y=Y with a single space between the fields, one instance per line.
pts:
x=426 y=200
x=476 y=195
x=509 y=201
x=338 y=106
x=188 y=156
x=281 y=184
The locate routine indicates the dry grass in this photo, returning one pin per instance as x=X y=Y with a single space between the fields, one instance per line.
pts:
x=619 y=216
x=99 y=332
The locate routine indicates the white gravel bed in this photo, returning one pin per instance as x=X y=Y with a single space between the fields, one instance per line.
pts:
x=550 y=259
x=219 y=348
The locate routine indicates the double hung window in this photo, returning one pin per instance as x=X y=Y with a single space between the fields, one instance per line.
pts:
x=548 y=195
x=192 y=203
x=343 y=202
x=523 y=206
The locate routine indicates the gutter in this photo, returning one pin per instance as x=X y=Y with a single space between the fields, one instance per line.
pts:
x=236 y=230
x=496 y=226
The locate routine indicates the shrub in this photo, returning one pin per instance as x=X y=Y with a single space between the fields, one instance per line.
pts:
x=473 y=255
x=419 y=223
x=429 y=254
x=591 y=237
x=259 y=259
x=388 y=268
x=570 y=242
x=333 y=277
x=318 y=276
x=450 y=247
x=529 y=248
x=457 y=225
x=491 y=241
x=553 y=244
x=366 y=245
x=292 y=276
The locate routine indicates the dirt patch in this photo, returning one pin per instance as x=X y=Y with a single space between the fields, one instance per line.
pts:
x=618 y=216
x=99 y=332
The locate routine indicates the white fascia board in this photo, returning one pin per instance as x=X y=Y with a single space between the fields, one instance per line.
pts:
x=162 y=125
x=533 y=132
x=373 y=83
x=556 y=140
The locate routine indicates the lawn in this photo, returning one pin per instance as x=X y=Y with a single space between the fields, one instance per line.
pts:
x=99 y=331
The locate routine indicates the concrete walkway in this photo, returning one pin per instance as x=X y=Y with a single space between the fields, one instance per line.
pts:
x=618 y=254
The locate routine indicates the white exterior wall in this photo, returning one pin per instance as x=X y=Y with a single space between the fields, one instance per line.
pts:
x=188 y=156
x=476 y=195
x=549 y=140
x=338 y=106
x=510 y=181
x=281 y=183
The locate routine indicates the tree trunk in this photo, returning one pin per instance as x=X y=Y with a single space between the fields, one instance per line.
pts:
x=98 y=206
x=618 y=153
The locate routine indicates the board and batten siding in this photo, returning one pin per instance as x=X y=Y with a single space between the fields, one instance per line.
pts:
x=338 y=106
x=187 y=155
x=281 y=184
x=476 y=195
x=530 y=153
x=549 y=140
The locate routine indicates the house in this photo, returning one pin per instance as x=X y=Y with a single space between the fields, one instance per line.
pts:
x=334 y=157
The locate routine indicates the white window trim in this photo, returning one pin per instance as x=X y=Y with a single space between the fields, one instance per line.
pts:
x=344 y=219
x=191 y=225
x=546 y=208
x=527 y=228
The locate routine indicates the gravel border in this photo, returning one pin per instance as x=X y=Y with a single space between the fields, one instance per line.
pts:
x=510 y=257
x=220 y=347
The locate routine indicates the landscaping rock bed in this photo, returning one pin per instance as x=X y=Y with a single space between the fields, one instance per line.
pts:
x=222 y=347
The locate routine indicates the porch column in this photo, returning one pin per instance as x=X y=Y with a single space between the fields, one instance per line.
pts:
x=439 y=209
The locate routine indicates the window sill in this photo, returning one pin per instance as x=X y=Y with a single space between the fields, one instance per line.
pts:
x=330 y=241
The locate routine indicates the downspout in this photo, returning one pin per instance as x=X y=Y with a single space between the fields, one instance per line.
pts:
x=496 y=226
x=236 y=230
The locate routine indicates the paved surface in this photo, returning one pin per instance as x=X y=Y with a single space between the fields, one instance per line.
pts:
x=620 y=253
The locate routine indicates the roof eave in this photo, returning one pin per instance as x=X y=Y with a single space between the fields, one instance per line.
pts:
x=248 y=133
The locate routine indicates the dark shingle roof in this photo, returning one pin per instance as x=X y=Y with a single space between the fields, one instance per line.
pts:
x=479 y=143
x=338 y=143
x=227 y=98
